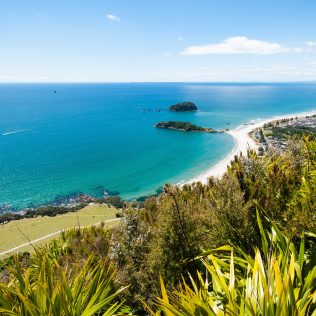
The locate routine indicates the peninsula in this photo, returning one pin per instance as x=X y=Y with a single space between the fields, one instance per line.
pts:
x=245 y=138
x=183 y=107
x=184 y=126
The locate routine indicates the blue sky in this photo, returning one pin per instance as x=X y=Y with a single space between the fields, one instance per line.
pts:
x=143 y=40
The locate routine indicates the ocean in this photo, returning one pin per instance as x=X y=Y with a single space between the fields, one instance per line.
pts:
x=58 y=140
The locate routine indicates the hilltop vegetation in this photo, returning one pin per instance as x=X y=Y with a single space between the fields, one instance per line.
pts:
x=240 y=245
x=183 y=107
x=184 y=126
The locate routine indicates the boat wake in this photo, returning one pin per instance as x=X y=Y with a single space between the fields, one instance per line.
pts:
x=15 y=132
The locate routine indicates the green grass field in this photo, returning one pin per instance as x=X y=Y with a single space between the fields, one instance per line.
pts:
x=19 y=232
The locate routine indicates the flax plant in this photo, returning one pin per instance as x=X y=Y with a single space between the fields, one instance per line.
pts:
x=277 y=280
x=49 y=290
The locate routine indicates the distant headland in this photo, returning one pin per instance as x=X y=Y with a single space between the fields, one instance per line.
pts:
x=184 y=126
x=183 y=107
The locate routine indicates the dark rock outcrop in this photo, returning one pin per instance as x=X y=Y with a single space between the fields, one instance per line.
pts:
x=183 y=107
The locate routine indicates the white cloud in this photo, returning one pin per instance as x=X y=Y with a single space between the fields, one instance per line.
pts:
x=304 y=71
x=113 y=17
x=240 y=45
x=180 y=38
x=310 y=44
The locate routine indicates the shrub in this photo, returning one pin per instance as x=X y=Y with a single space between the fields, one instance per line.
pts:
x=278 y=280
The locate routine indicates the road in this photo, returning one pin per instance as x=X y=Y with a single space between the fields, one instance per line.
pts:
x=51 y=235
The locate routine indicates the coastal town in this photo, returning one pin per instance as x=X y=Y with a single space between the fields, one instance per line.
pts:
x=276 y=134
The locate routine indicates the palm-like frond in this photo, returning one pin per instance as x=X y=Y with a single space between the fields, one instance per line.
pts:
x=277 y=281
x=50 y=291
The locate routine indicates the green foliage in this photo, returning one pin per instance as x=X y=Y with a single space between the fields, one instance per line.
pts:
x=115 y=201
x=47 y=289
x=161 y=237
x=278 y=280
x=129 y=249
x=51 y=210
x=48 y=210
x=184 y=126
x=8 y=217
x=283 y=185
x=292 y=132
x=183 y=107
x=75 y=246
x=301 y=213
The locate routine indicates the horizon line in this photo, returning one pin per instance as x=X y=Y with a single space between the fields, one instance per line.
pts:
x=137 y=82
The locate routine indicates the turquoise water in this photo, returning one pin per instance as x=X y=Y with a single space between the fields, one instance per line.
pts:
x=95 y=137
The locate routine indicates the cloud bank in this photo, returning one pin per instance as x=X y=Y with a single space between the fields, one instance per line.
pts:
x=240 y=45
x=311 y=44
x=113 y=17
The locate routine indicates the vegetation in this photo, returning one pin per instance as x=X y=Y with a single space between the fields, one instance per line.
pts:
x=292 y=128
x=48 y=210
x=278 y=122
x=54 y=210
x=243 y=244
x=290 y=132
x=279 y=279
x=19 y=232
x=115 y=201
x=48 y=289
x=183 y=107
x=184 y=126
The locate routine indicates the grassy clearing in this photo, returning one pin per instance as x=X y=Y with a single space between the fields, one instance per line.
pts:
x=19 y=232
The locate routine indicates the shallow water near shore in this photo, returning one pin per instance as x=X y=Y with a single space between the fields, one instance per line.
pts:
x=94 y=137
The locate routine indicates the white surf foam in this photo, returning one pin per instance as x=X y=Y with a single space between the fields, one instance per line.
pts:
x=15 y=132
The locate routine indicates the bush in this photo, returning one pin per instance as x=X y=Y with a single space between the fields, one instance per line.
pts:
x=115 y=201
x=279 y=279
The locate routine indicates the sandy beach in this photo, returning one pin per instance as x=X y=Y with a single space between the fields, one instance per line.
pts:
x=243 y=142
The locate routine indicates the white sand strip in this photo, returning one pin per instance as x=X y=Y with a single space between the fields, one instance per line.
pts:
x=243 y=142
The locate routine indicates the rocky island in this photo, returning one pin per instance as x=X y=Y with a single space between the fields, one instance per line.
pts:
x=183 y=107
x=184 y=126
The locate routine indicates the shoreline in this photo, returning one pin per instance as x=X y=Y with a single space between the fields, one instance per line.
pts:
x=243 y=142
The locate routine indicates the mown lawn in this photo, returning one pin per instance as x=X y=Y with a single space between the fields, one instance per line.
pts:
x=19 y=232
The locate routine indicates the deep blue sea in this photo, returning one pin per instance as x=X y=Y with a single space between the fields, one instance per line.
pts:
x=94 y=137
